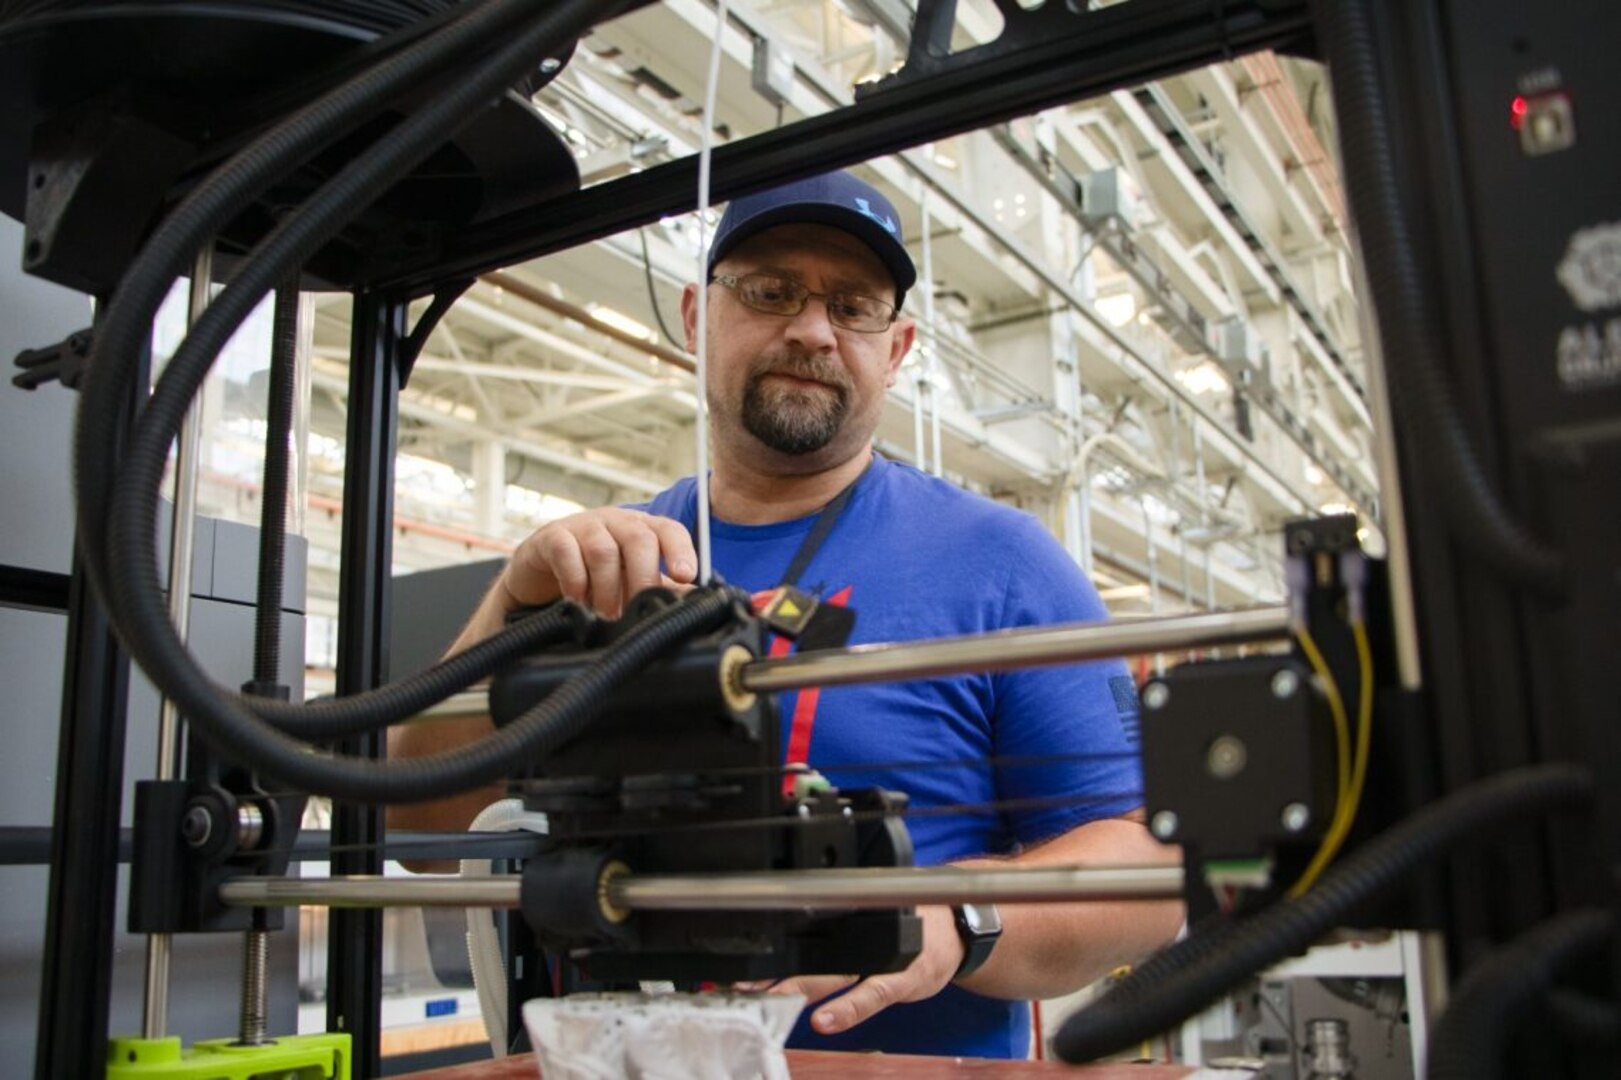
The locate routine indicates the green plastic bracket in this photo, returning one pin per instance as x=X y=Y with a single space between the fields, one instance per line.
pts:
x=291 y=1057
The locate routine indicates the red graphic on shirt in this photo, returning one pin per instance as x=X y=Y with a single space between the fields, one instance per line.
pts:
x=799 y=735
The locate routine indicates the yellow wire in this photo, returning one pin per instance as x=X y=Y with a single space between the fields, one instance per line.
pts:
x=1336 y=705
x=1351 y=795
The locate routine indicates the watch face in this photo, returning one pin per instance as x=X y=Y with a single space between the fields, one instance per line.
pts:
x=981 y=918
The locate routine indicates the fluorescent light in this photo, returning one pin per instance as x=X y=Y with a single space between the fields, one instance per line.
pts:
x=1118 y=309
x=1204 y=378
x=620 y=321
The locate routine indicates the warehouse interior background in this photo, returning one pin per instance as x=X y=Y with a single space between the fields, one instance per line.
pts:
x=1142 y=317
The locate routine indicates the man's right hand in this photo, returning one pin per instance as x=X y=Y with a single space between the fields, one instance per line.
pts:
x=600 y=558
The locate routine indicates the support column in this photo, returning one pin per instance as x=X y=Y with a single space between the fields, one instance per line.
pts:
x=355 y=937
x=490 y=486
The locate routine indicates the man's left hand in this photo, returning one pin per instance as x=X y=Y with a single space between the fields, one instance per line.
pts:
x=923 y=978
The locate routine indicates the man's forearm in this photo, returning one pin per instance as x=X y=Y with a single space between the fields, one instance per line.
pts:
x=1047 y=950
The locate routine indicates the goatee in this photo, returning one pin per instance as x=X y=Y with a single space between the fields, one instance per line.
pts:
x=794 y=419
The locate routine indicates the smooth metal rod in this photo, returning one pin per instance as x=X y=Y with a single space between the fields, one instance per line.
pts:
x=791 y=890
x=1067 y=643
x=371 y=891
x=182 y=527
x=787 y=890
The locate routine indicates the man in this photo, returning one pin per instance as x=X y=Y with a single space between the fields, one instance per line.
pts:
x=806 y=282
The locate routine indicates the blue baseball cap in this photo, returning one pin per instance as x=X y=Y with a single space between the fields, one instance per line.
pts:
x=837 y=199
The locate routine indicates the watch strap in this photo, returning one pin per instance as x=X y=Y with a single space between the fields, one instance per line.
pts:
x=979 y=930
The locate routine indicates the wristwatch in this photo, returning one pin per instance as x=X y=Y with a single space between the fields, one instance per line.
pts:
x=979 y=925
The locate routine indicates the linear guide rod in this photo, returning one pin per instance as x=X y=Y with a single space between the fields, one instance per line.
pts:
x=787 y=890
x=1008 y=649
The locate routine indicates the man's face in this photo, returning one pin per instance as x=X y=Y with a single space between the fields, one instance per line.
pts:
x=798 y=385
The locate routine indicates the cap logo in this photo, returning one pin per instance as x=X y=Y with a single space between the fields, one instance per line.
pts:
x=867 y=211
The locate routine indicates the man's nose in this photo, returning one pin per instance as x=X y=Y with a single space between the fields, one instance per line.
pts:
x=811 y=328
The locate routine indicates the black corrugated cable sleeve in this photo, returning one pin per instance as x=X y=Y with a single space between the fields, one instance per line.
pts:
x=400 y=700
x=406 y=698
x=1187 y=977
x=133 y=594
x=1496 y=996
x=1583 y=1018
x=556 y=719
x=279 y=254
x=1410 y=326
x=123 y=329
x=273 y=494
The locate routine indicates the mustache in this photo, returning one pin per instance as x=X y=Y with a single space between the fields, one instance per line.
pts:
x=802 y=365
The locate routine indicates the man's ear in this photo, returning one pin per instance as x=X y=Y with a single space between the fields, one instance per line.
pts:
x=689 y=316
x=905 y=333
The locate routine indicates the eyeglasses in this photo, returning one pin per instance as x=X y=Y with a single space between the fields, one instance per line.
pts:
x=775 y=295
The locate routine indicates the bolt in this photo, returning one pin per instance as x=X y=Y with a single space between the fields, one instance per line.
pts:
x=197 y=826
x=1284 y=684
x=1164 y=824
x=1226 y=757
x=1156 y=695
x=1295 y=817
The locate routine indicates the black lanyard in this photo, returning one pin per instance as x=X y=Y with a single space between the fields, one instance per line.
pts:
x=820 y=528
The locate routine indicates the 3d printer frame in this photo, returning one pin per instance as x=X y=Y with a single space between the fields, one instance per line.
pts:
x=1509 y=677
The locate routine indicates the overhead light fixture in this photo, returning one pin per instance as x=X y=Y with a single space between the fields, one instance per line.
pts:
x=1205 y=378
x=620 y=321
x=1118 y=309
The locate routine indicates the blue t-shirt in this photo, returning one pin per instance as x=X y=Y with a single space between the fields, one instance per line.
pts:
x=917 y=558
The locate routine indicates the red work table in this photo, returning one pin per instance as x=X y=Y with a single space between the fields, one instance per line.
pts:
x=823 y=1065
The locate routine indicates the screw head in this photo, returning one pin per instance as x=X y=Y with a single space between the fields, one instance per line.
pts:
x=1295 y=817
x=1156 y=695
x=1226 y=757
x=1164 y=824
x=197 y=826
x=1284 y=683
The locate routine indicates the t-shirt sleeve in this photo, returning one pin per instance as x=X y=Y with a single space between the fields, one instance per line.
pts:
x=1065 y=737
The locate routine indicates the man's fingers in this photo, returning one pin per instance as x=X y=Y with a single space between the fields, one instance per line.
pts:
x=814 y=987
x=680 y=557
x=602 y=558
x=868 y=998
x=602 y=561
x=638 y=550
x=559 y=551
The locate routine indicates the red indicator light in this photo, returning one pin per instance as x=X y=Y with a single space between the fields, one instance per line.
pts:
x=1516 y=112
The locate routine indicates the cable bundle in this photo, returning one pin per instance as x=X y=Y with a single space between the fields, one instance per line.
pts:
x=375 y=16
x=497 y=41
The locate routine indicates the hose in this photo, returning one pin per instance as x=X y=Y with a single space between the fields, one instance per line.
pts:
x=132 y=595
x=1480 y=521
x=1494 y=998
x=122 y=331
x=273 y=494
x=1188 y=976
x=483 y=944
x=556 y=719
x=1582 y=1018
x=386 y=705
